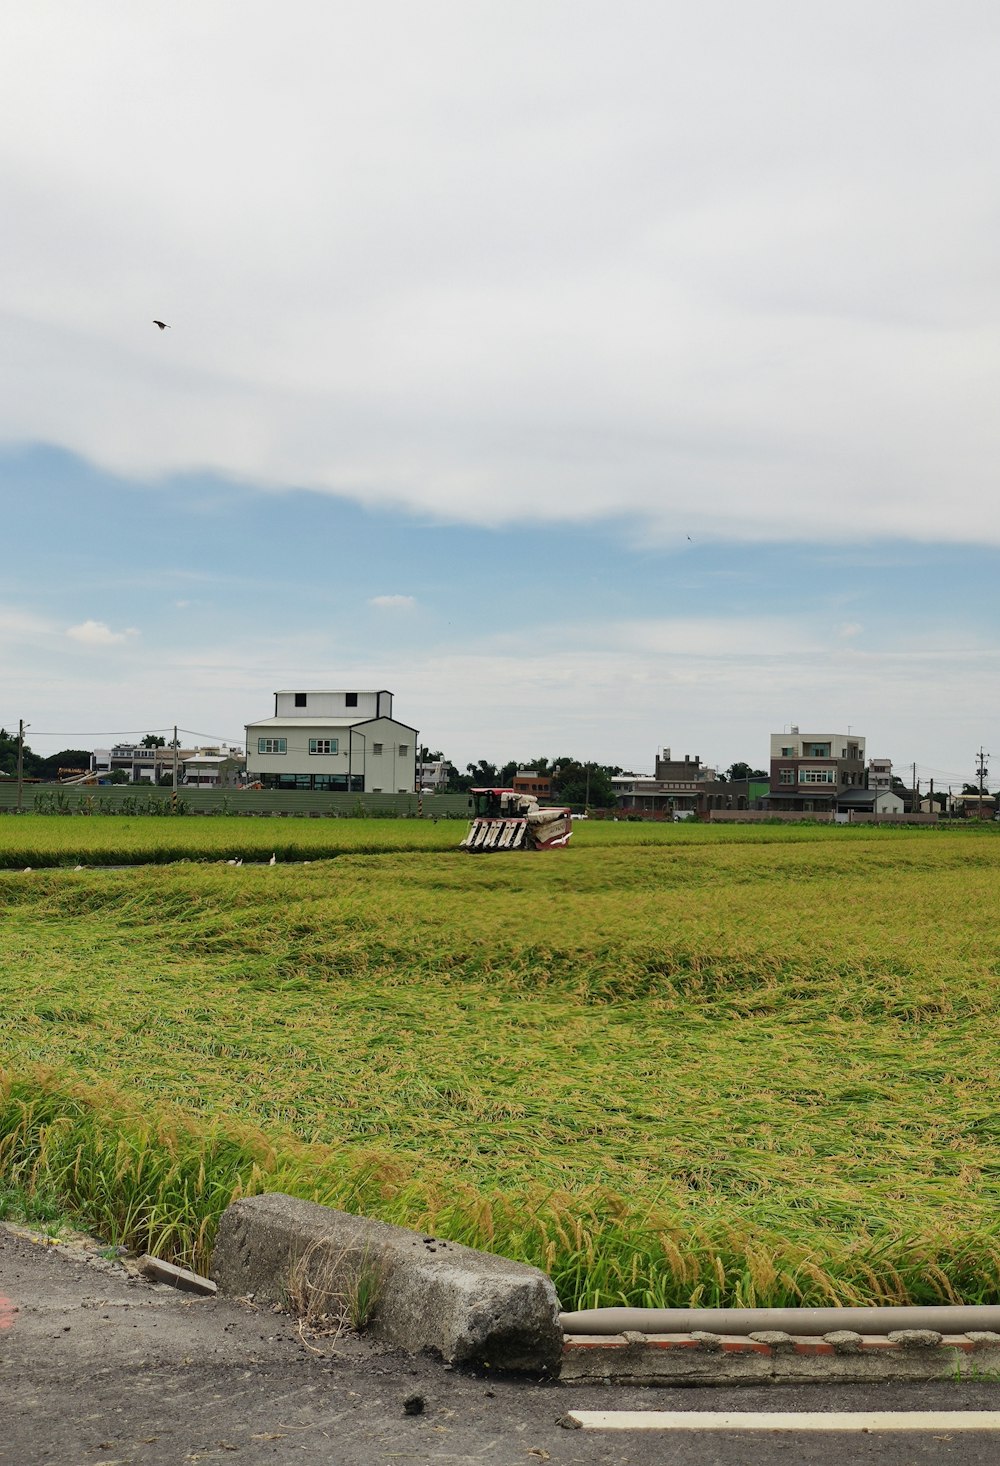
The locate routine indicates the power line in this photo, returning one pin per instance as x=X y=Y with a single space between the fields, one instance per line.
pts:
x=106 y=733
x=213 y=737
x=137 y=733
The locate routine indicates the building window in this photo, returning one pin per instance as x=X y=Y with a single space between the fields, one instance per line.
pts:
x=293 y=781
x=817 y=776
x=272 y=745
x=786 y=776
x=324 y=783
x=376 y=748
x=324 y=745
x=788 y=753
x=350 y=699
x=404 y=749
x=300 y=699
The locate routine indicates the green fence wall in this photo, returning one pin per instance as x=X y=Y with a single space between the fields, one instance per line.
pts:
x=303 y=803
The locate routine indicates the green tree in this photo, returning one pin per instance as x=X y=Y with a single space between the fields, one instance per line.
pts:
x=741 y=770
x=8 y=752
x=585 y=784
x=152 y=740
x=66 y=758
x=8 y=756
x=483 y=774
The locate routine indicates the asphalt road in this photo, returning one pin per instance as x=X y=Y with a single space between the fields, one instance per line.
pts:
x=108 y=1370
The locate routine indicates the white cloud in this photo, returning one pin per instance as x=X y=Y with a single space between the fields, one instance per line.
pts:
x=718 y=267
x=97 y=633
x=22 y=626
x=850 y=629
x=393 y=603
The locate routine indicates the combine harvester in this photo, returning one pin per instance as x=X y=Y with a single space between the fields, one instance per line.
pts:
x=507 y=820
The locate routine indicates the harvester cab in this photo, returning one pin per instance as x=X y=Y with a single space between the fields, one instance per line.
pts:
x=505 y=819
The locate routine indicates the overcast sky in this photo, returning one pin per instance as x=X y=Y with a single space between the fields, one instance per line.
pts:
x=596 y=377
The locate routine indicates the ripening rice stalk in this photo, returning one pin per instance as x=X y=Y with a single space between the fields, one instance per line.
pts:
x=656 y=1069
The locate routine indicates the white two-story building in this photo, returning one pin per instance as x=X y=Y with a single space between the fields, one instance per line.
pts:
x=339 y=741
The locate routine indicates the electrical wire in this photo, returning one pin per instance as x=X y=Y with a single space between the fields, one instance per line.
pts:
x=133 y=733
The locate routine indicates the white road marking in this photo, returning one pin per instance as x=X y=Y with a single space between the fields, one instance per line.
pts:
x=790 y=1420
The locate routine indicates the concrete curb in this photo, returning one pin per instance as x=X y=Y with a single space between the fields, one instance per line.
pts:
x=469 y=1307
x=721 y=1359
x=475 y=1308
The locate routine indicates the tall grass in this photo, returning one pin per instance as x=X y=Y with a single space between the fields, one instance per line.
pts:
x=734 y=1072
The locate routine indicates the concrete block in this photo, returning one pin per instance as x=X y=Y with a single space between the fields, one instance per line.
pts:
x=777 y=1339
x=177 y=1277
x=915 y=1338
x=469 y=1307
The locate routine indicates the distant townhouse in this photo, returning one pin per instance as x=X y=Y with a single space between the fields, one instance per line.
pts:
x=434 y=775
x=333 y=740
x=530 y=781
x=216 y=767
x=975 y=806
x=683 y=788
x=809 y=771
x=213 y=768
x=880 y=773
x=140 y=765
x=852 y=802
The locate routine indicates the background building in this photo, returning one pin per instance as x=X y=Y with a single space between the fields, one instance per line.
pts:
x=809 y=770
x=853 y=802
x=434 y=776
x=214 y=768
x=683 y=787
x=530 y=781
x=880 y=773
x=334 y=740
x=209 y=767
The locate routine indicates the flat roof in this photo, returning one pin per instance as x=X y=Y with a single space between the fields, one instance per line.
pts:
x=309 y=722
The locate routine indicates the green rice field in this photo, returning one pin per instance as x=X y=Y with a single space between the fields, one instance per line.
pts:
x=42 y=841
x=670 y=1064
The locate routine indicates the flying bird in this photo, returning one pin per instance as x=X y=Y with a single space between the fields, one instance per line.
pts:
x=162 y=325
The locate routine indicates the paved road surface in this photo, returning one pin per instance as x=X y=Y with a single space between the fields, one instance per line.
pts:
x=100 y=1370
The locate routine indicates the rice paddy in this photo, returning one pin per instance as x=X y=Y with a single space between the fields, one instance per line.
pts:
x=670 y=1065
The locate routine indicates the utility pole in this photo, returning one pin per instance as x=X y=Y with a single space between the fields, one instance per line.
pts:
x=173 y=791
x=916 y=793
x=982 y=771
x=21 y=725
